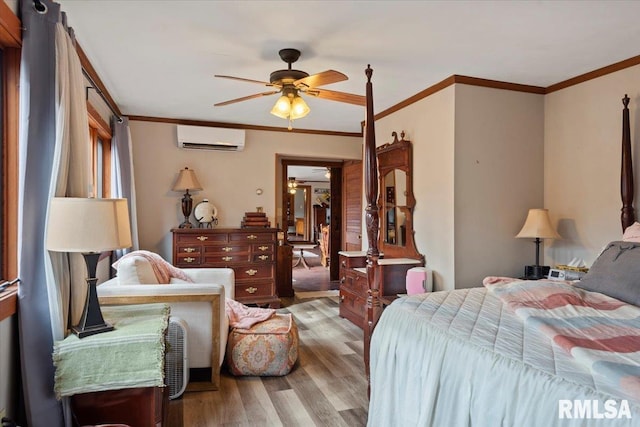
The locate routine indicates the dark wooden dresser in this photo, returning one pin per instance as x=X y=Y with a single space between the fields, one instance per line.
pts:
x=250 y=252
x=354 y=283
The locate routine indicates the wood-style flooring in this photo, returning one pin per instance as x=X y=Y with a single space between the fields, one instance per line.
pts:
x=327 y=386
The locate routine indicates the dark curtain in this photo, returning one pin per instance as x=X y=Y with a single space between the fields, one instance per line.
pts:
x=37 y=143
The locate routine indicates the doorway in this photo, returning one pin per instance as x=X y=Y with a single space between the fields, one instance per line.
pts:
x=311 y=213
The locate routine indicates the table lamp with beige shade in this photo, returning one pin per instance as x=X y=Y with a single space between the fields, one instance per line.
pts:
x=537 y=226
x=186 y=181
x=88 y=226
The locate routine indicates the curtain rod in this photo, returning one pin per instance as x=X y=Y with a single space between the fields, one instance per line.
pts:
x=95 y=87
x=42 y=8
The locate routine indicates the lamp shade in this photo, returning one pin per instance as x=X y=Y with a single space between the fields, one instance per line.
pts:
x=88 y=225
x=299 y=108
x=187 y=180
x=282 y=107
x=538 y=225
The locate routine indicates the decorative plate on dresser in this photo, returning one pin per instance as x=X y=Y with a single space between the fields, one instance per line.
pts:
x=206 y=214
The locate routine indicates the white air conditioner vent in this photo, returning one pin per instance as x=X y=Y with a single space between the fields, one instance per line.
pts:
x=210 y=138
x=176 y=363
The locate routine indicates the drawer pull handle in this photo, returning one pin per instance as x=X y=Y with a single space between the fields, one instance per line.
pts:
x=251 y=290
x=227 y=258
x=189 y=259
x=251 y=272
x=342 y=280
x=252 y=237
x=227 y=249
x=341 y=298
x=263 y=248
x=189 y=250
x=264 y=257
x=202 y=238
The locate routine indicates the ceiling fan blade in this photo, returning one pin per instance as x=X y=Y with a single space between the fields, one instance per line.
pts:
x=333 y=95
x=246 y=80
x=245 y=98
x=321 y=79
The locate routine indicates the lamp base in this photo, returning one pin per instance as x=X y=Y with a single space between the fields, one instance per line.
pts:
x=536 y=272
x=85 y=331
x=91 y=322
x=186 y=224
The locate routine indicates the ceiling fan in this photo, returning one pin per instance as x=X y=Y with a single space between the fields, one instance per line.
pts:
x=291 y=83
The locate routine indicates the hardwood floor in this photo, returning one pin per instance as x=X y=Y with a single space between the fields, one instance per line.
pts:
x=327 y=386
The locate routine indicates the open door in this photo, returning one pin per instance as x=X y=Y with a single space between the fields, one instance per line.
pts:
x=352 y=206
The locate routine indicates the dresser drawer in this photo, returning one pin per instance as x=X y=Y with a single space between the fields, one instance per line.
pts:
x=254 y=289
x=359 y=284
x=228 y=249
x=188 y=260
x=199 y=238
x=263 y=248
x=188 y=249
x=262 y=257
x=254 y=271
x=251 y=237
x=352 y=262
x=221 y=260
x=352 y=307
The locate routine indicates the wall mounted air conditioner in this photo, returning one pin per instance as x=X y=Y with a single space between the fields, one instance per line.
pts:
x=176 y=362
x=209 y=138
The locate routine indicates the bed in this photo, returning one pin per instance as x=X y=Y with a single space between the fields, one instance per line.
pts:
x=510 y=353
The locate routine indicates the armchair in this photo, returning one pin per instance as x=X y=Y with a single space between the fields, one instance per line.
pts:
x=200 y=304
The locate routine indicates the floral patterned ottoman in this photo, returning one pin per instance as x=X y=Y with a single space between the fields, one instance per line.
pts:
x=268 y=348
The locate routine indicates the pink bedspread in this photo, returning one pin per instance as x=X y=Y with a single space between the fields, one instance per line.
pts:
x=600 y=332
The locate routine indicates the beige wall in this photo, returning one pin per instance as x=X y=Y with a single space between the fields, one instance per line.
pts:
x=229 y=179
x=583 y=132
x=429 y=125
x=498 y=177
x=478 y=156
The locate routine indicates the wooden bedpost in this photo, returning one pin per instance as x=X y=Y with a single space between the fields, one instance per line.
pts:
x=373 y=308
x=626 y=171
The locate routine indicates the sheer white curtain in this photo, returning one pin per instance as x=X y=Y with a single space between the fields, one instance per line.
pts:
x=71 y=177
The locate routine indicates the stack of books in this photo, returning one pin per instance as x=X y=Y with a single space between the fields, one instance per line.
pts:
x=255 y=219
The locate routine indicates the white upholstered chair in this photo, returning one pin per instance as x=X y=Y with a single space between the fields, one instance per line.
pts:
x=200 y=304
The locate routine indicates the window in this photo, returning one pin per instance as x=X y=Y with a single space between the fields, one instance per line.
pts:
x=10 y=40
x=100 y=136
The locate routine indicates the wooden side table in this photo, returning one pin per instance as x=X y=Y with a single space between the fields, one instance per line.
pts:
x=301 y=248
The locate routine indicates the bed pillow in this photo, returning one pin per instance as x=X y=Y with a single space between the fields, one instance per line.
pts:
x=632 y=233
x=616 y=273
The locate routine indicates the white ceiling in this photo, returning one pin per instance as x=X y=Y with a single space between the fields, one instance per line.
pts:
x=158 y=58
x=308 y=173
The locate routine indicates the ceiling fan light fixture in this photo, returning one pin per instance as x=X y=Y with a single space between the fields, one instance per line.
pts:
x=282 y=107
x=299 y=108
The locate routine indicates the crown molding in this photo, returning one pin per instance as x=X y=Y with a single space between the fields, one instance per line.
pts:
x=241 y=126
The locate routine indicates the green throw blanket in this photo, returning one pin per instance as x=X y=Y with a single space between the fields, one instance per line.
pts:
x=130 y=356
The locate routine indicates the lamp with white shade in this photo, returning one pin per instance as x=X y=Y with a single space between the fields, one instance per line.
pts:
x=88 y=226
x=186 y=181
x=537 y=226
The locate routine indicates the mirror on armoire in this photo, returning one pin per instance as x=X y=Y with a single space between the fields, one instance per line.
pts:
x=396 y=199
